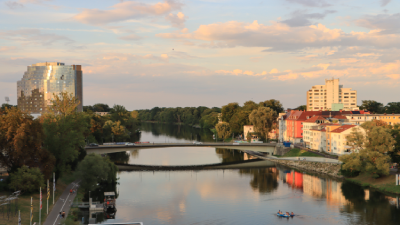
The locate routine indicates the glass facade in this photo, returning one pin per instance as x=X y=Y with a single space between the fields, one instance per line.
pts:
x=42 y=80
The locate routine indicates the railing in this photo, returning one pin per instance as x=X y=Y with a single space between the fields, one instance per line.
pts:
x=84 y=204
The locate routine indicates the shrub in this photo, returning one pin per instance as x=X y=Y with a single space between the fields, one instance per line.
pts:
x=27 y=180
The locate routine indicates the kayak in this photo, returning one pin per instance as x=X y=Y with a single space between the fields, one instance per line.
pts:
x=282 y=215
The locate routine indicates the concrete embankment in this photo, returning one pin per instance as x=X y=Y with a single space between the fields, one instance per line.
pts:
x=331 y=169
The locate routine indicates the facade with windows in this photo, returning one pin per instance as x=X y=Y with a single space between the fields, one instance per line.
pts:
x=36 y=88
x=329 y=96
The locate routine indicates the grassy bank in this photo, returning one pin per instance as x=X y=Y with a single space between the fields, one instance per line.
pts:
x=385 y=184
x=299 y=153
x=24 y=203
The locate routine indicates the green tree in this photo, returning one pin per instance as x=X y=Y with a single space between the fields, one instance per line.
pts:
x=372 y=149
x=372 y=106
x=5 y=106
x=264 y=120
x=301 y=108
x=93 y=170
x=249 y=106
x=274 y=105
x=65 y=130
x=26 y=179
x=393 y=107
x=395 y=154
x=238 y=120
x=229 y=110
x=223 y=130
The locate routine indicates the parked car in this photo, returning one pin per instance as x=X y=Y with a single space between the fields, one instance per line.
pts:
x=129 y=144
x=93 y=145
x=197 y=143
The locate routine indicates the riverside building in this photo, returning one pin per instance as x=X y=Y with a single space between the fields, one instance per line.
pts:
x=332 y=97
x=41 y=80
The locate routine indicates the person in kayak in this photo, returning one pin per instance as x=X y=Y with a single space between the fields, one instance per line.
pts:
x=291 y=214
x=279 y=212
x=287 y=213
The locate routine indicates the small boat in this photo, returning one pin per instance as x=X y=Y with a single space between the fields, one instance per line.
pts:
x=282 y=215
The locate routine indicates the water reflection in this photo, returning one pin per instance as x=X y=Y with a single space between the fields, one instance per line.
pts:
x=238 y=196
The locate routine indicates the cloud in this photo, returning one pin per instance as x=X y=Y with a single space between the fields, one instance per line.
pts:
x=388 y=23
x=33 y=36
x=238 y=72
x=299 y=18
x=106 y=58
x=20 y=4
x=13 y=5
x=385 y=2
x=126 y=10
x=131 y=37
x=7 y=48
x=177 y=20
x=281 y=37
x=311 y=3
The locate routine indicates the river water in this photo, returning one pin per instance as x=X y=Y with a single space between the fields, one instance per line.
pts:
x=233 y=196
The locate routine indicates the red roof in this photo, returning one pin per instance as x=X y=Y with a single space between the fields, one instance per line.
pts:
x=340 y=117
x=342 y=128
x=315 y=118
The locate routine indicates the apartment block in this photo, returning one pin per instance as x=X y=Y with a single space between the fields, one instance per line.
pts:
x=331 y=96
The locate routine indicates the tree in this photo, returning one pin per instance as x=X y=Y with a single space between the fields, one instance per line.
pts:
x=223 y=130
x=65 y=130
x=301 y=108
x=63 y=104
x=135 y=114
x=21 y=142
x=5 y=106
x=94 y=169
x=228 y=111
x=249 y=106
x=372 y=148
x=100 y=107
x=27 y=180
x=238 y=120
x=392 y=107
x=372 y=106
x=395 y=154
x=273 y=104
x=264 y=120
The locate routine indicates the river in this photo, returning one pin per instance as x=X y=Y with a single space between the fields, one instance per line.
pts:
x=233 y=196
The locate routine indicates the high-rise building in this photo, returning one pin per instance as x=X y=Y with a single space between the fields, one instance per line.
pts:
x=42 y=80
x=332 y=97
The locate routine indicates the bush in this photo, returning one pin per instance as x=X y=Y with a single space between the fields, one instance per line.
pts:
x=27 y=180
x=348 y=173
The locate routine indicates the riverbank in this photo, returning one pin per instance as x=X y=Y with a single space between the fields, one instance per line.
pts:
x=330 y=169
x=24 y=203
x=384 y=184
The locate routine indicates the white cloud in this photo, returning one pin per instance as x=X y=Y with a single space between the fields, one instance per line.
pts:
x=126 y=10
x=177 y=20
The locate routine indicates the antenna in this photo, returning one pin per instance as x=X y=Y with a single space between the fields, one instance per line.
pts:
x=7 y=99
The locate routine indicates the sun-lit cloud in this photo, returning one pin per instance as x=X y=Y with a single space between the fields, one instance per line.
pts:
x=126 y=10
x=7 y=48
x=281 y=37
x=238 y=72
x=177 y=20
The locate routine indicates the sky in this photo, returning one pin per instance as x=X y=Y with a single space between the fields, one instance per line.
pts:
x=171 y=53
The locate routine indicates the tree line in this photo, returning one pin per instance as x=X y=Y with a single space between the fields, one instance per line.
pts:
x=378 y=108
x=202 y=116
x=34 y=149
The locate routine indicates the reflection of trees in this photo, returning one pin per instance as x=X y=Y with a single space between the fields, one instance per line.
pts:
x=264 y=180
x=121 y=157
x=376 y=210
x=229 y=155
x=178 y=131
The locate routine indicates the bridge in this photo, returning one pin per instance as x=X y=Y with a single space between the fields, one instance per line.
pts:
x=255 y=147
x=253 y=163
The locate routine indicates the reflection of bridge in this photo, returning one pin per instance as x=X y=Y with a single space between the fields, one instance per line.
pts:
x=256 y=147
x=254 y=163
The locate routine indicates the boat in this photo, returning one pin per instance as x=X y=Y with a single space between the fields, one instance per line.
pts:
x=282 y=215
